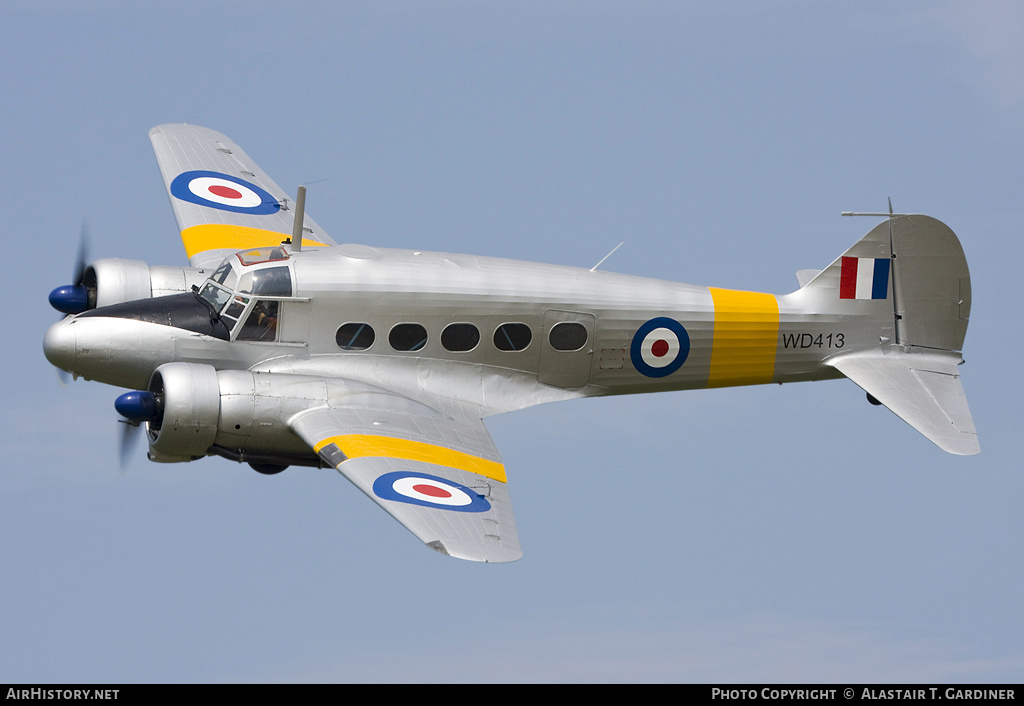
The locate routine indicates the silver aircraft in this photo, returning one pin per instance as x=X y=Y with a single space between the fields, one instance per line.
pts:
x=280 y=347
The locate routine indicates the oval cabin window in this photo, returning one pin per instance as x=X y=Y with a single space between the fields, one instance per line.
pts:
x=512 y=337
x=355 y=337
x=408 y=337
x=568 y=336
x=460 y=337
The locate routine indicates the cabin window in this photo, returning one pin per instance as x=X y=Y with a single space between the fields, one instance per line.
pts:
x=512 y=337
x=408 y=337
x=355 y=337
x=261 y=324
x=460 y=337
x=568 y=336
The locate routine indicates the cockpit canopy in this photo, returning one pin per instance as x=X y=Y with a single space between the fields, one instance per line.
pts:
x=258 y=256
x=244 y=278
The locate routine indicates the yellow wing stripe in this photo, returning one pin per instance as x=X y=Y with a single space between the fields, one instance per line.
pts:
x=358 y=445
x=215 y=236
x=746 y=338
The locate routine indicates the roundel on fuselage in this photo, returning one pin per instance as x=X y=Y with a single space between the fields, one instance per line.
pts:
x=659 y=347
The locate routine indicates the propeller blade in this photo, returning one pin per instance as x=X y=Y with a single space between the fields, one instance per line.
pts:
x=130 y=435
x=78 y=274
x=74 y=298
x=136 y=407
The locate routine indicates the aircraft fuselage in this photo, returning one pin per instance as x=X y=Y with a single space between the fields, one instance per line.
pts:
x=580 y=331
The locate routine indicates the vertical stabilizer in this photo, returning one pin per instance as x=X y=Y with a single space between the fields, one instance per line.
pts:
x=909 y=268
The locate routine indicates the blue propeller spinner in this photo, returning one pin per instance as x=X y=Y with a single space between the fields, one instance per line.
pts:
x=70 y=299
x=137 y=406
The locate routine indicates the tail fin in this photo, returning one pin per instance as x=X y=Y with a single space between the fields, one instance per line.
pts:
x=910 y=271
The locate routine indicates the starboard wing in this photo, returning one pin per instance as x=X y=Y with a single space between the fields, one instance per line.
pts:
x=222 y=200
x=440 y=477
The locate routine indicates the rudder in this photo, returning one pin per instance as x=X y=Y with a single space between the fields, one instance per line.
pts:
x=931 y=284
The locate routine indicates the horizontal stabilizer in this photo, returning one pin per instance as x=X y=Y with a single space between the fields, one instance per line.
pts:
x=922 y=389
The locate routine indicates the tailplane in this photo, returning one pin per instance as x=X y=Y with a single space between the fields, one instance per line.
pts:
x=922 y=388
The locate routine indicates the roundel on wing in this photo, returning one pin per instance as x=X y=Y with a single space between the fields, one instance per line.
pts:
x=429 y=491
x=659 y=347
x=223 y=192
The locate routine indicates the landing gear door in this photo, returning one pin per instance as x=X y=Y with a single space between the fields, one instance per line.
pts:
x=567 y=348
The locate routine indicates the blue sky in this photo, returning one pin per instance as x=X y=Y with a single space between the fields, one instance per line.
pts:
x=771 y=533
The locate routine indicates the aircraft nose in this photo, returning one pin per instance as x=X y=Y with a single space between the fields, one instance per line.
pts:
x=59 y=345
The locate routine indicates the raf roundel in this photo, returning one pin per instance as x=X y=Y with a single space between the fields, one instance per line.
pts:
x=659 y=347
x=223 y=192
x=429 y=491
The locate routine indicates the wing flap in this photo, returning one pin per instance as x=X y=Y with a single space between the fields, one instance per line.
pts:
x=442 y=478
x=922 y=389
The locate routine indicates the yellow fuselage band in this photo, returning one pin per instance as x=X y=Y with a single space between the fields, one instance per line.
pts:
x=745 y=339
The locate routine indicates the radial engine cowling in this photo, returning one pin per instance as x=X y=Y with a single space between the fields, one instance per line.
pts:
x=188 y=403
x=115 y=280
x=236 y=414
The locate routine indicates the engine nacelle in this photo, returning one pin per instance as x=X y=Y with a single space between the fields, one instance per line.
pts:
x=232 y=413
x=114 y=280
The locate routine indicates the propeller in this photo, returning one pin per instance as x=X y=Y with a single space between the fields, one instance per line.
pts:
x=129 y=441
x=136 y=407
x=75 y=298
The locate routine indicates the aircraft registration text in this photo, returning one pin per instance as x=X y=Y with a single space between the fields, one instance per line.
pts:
x=810 y=340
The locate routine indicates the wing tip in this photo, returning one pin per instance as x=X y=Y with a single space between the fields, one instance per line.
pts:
x=961 y=444
x=187 y=129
